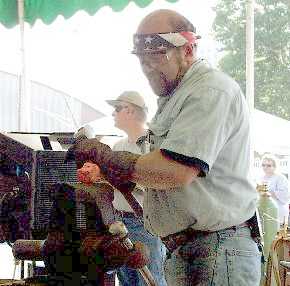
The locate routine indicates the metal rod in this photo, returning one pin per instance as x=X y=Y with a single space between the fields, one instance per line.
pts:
x=24 y=101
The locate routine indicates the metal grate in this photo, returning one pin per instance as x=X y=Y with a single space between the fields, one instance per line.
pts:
x=51 y=169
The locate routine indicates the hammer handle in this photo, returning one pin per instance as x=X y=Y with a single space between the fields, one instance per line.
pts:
x=147 y=276
x=144 y=271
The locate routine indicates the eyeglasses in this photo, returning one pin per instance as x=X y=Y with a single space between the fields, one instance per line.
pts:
x=266 y=165
x=118 y=108
x=155 y=59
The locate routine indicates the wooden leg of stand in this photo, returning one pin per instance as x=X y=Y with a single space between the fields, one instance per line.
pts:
x=22 y=269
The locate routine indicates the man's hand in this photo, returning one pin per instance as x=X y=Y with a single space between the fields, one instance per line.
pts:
x=117 y=166
x=89 y=173
x=82 y=151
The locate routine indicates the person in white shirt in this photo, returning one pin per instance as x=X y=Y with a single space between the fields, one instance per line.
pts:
x=278 y=186
x=130 y=114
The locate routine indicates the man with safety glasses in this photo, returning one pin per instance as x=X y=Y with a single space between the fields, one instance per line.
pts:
x=198 y=198
x=130 y=115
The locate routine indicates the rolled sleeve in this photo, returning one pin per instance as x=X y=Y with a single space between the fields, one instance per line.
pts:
x=187 y=161
x=202 y=127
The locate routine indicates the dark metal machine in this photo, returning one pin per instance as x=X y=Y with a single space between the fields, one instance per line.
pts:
x=37 y=193
x=73 y=257
x=30 y=164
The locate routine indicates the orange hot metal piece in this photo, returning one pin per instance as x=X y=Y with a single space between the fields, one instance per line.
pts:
x=89 y=173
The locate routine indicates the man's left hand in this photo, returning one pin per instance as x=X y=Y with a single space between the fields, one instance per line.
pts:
x=117 y=166
x=81 y=152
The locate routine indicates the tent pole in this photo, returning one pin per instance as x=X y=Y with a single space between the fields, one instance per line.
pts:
x=250 y=87
x=24 y=101
x=250 y=52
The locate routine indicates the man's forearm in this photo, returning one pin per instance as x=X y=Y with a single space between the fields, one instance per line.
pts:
x=124 y=169
x=155 y=171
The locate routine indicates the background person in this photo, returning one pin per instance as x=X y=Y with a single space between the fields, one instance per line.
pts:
x=130 y=115
x=278 y=186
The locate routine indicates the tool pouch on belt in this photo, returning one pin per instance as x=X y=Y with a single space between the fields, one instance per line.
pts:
x=254 y=226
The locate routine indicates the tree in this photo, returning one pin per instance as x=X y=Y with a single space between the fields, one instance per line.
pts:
x=272 y=50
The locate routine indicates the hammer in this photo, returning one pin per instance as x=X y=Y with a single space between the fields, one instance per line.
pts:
x=119 y=229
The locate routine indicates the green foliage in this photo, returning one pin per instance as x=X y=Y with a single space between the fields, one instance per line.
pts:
x=272 y=50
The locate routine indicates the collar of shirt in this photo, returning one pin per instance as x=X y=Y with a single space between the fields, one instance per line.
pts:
x=197 y=68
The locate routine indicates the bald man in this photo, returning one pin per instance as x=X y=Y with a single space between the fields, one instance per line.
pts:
x=198 y=197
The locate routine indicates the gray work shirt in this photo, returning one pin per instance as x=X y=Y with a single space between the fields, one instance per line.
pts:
x=205 y=118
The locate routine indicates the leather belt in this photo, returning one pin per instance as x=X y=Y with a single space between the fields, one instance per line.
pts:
x=173 y=241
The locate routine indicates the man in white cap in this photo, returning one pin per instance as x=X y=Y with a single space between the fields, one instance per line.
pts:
x=130 y=115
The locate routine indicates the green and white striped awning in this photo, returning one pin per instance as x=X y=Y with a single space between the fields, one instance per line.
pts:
x=48 y=10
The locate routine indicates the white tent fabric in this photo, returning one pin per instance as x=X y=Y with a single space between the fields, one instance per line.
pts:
x=51 y=110
x=270 y=133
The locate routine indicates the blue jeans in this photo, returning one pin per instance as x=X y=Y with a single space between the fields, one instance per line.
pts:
x=130 y=277
x=225 y=258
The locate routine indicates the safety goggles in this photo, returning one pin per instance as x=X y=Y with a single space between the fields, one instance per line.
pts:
x=118 y=108
x=266 y=165
x=156 y=58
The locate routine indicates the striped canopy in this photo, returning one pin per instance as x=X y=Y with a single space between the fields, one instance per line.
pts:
x=48 y=10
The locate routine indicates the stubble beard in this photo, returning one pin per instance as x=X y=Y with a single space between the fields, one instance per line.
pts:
x=169 y=86
x=162 y=86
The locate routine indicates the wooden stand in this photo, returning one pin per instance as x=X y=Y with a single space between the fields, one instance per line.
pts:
x=277 y=275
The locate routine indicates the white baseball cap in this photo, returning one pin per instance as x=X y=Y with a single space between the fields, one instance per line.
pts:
x=132 y=97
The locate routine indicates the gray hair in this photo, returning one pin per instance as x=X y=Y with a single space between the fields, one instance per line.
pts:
x=271 y=158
